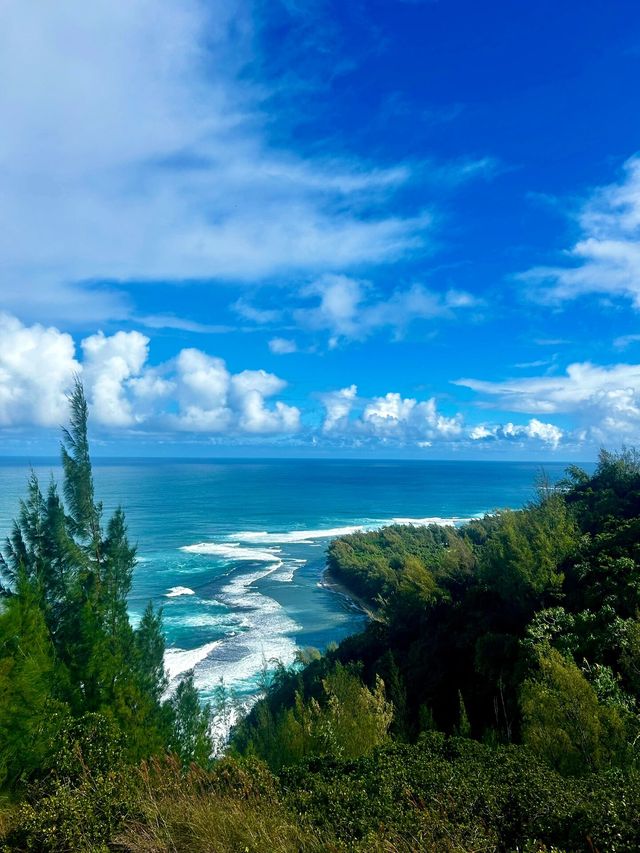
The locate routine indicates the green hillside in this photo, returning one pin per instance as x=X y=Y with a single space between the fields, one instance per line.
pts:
x=492 y=704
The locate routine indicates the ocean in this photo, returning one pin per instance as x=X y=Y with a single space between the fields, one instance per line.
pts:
x=234 y=550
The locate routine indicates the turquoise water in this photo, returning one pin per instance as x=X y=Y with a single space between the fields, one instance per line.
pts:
x=234 y=550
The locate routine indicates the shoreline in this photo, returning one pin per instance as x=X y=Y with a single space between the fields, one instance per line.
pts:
x=329 y=581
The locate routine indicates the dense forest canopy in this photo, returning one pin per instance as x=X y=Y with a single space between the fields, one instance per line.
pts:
x=491 y=704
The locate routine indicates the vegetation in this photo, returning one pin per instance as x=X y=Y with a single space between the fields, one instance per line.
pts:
x=80 y=689
x=491 y=705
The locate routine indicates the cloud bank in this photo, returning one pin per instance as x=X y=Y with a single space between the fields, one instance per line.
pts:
x=603 y=400
x=193 y=392
x=197 y=393
x=401 y=421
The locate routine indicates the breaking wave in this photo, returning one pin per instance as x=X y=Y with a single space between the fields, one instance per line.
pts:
x=177 y=661
x=233 y=551
x=454 y=521
x=295 y=537
x=175 y=591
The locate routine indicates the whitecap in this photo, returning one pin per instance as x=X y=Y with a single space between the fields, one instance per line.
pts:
x=233 y=551
x=285 y=574
x=175 y=591
x=453 y=521
x=266 y=633
x=177 y=661
x=294 y=537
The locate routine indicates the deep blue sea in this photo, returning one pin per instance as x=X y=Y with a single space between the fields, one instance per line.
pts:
x=234 y=550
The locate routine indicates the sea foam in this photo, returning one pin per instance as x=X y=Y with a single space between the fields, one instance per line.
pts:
x=294 y=537
x=435 y=519
x=175 y=591
x=177 y=661
x=233 y=551
x=308 y=537
x=265 y=633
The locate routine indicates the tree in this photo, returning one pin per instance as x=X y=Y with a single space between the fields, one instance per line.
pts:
x=66 y=579
x=563 y=720
x=29 y=714
x=191 y=737
x=522 y=558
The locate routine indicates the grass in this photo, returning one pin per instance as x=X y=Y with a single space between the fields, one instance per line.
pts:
x=197 y=814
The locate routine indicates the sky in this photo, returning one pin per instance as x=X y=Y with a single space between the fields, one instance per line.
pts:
x=304 y=227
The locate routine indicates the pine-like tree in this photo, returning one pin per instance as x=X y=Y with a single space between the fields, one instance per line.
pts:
x=66 y=581
x=29 y=713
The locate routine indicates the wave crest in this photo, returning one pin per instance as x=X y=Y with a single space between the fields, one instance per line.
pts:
x=177 y=661
x=232 y=551
x=175 y=591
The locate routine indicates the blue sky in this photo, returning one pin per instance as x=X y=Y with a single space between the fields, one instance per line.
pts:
x=364 y=228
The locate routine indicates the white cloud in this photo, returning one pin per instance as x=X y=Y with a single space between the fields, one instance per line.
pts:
x=249 y=390
x=108 y=363
x=282 y=346
x=606 y=257
x=624 y=341
x=37 y=366
x=349 y=308
x=392 y=414
x=549 y=433
x=582 y=384
x=338 y=405
x=170 y=321
x=390 y=418
x=135 y=146
x=194 y=392
x=256 y=315
x=339 y=307
x=480 y=432
x=603 y=399
x=544 y=432
x=213 y=400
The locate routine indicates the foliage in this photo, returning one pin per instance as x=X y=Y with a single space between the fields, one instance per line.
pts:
x=190 y=737
x=233 y=807
x=454 y=794
x=67 y=648
x=30 y=717
x=83 y=815
x=565 y=723
x=347 y=720
x=491 y=705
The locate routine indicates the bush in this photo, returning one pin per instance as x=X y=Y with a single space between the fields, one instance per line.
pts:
x=456 y=794
x=80 y=816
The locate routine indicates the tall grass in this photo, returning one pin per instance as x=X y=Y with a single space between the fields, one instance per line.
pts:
x=231 y=810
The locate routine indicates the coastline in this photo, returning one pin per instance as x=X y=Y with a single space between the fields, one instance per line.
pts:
x=330 y=582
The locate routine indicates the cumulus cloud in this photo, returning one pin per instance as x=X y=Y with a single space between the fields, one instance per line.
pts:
x=249 y=390
x=37 y=366
x=136 y=136
x=194 y=392
x=211 y=399
x=338 y=405
x=390 y=418
x=545 y=432
x=393 y=414
x=606 y=257
x=603 y=399
x=108 y=363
